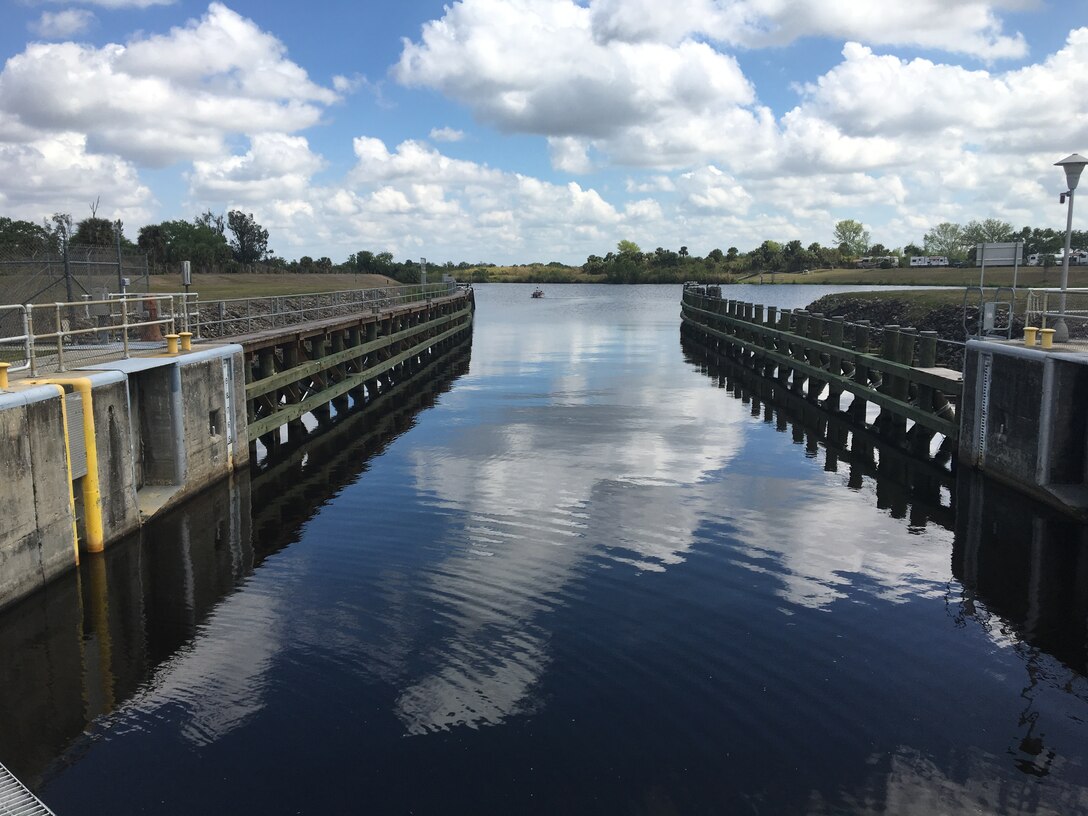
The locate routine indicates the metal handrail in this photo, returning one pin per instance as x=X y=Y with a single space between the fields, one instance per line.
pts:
x=9 y=341
x=1039 y=305
x=229 y=317
x=65 y=336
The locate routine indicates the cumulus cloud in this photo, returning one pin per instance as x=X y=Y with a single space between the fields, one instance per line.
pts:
x=57 y=25
x=569 y=154
x=275 y=166
x=553 y=78
x=117 y=4
x=167 y=97
x=46 y=175
x=709 y=188
x=447 y=134
x=965 y=27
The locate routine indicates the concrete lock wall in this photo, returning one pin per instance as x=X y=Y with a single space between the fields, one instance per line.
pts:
x=213 y=404
x=37 y=519
x=1024 y=422
x=161 y=428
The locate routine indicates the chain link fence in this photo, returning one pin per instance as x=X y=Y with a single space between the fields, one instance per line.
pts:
x=70 y=275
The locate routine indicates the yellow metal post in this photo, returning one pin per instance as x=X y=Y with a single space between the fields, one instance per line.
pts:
x=1048 y=338
x=4 y=376
x=92 y=492
x=1029 y=335
x=186 y=341
x=171 y=344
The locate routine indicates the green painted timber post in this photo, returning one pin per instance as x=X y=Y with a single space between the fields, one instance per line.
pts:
x=835 y=333
x=857 y=407
x=292 y=393
x=317 y=351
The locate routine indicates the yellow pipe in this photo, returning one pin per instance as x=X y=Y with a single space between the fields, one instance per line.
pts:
x=92 y=492
x=98 y=589
x=4 y=376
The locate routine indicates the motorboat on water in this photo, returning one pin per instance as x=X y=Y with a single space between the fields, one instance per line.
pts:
x=538 y=293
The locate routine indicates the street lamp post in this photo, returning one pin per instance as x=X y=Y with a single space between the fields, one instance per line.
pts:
x=1073 y=165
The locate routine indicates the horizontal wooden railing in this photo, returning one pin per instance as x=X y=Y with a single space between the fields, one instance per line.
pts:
x=808 y=353
x=301 y=371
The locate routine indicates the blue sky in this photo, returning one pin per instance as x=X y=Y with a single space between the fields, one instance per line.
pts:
x=538 y=130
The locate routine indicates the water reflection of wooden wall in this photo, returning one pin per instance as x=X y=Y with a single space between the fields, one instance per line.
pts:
x=808 y=354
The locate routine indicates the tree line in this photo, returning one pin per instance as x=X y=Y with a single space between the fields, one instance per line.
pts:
x=851 y=242
x=212 y=243
x=236 y=242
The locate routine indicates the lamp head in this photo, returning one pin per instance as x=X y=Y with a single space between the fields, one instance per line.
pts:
x=1073 y=165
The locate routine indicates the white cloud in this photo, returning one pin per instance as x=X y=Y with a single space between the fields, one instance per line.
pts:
x=47 y=175
x=569 y=154
x=165 y=98
x=710 y=189
x=57 y=25
x=117 y=4
x=963 y=27
x=276 y=166
x=553 y=78
x=447 y=134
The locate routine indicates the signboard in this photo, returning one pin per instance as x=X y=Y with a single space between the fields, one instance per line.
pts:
x=1004 y=254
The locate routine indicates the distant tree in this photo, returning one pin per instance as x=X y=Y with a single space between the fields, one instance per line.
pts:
x=732 y=254
x=176 y=241
x=796 y=258
x=62 y=228
x=853 y=235
x=767 y=256
x=988 y=231
x=946 y=239
x=96 y=231
x=913 y=249
x=250 y=241
x=664 y=258
x=626 y=247
x=683 y=252
x=152 y=239
x=211 y=221
x=24 y=236
x=716 y=255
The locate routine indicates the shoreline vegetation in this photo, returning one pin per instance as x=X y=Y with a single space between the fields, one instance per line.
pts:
x=236 y=285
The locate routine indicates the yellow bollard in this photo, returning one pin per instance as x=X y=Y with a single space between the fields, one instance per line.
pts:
x=4 y=376
x=186 y=341
x=92 y=493
x=171 y=344
x=1048 y=338
x=1029 y=335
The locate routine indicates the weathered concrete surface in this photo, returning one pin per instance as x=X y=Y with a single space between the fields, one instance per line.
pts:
x=214 y=426
x=172 y=425
x=1025 y=423
x=36 y=517
x=116 y=475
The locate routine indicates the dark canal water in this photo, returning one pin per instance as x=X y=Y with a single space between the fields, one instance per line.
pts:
x=577 y=570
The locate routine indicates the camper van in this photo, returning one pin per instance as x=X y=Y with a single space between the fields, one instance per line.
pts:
x=929 y=260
